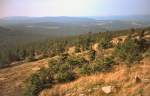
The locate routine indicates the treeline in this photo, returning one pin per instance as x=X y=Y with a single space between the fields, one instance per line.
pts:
x=52 y=47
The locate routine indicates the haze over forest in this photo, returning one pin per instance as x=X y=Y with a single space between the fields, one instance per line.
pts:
x=24 y=21
x=32 y=20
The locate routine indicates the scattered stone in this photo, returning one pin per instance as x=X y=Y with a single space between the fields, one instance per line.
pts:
x=146 y=80
x=89 y=90
x=95 y=88
x=46 y=66
x=107 y=89
x=81 y=95
x=36 y=68
x=2 y=79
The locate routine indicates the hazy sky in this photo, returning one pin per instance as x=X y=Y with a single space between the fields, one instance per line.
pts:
x=73 y=7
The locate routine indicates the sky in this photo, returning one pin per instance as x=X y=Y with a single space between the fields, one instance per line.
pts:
x=42 y=8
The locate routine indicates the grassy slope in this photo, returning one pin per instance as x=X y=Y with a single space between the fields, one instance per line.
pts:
x=122 y=78
x=12 y=78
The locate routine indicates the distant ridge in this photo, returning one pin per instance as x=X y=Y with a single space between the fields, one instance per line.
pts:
x=130 y=17
x=65 y=26
x=48 y=19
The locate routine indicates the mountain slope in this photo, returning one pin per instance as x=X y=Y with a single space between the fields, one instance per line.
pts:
x=12 y=79
x=122 y=78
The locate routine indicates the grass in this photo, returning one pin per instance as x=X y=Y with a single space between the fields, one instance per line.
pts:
x=121 y=77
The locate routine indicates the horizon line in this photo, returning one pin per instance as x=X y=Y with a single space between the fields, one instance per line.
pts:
x=76 y=16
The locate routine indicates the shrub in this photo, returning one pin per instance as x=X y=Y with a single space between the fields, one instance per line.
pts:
x=33 y=85
x=30 y=59
x=76 y=61
x=62 y=77
x=147 y=53
x=128 y=51
x=105 y=40
x=54 y=66
x=37 y=81
x=98 y=66
x=105 y=43
x=107 y=64
x=92 y=55
x=62 y=70
x=103 y=65
x=45 y=76
x=86 y=69
x=64 y=73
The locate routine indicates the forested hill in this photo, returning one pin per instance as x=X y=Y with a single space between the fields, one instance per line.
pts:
x=16 y=46
x=62 y=26
x=10 y=37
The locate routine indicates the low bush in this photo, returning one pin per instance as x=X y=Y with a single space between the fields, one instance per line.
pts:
x=92 y=55
x=76 y=61
x=63 y=77
x=37 y=81
x=30 y=59
x=98 y=66
x=105 y=40
x=107 y=64
x=86 y=69
x=62 y=70
x=128 y=52
x=147 y=53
